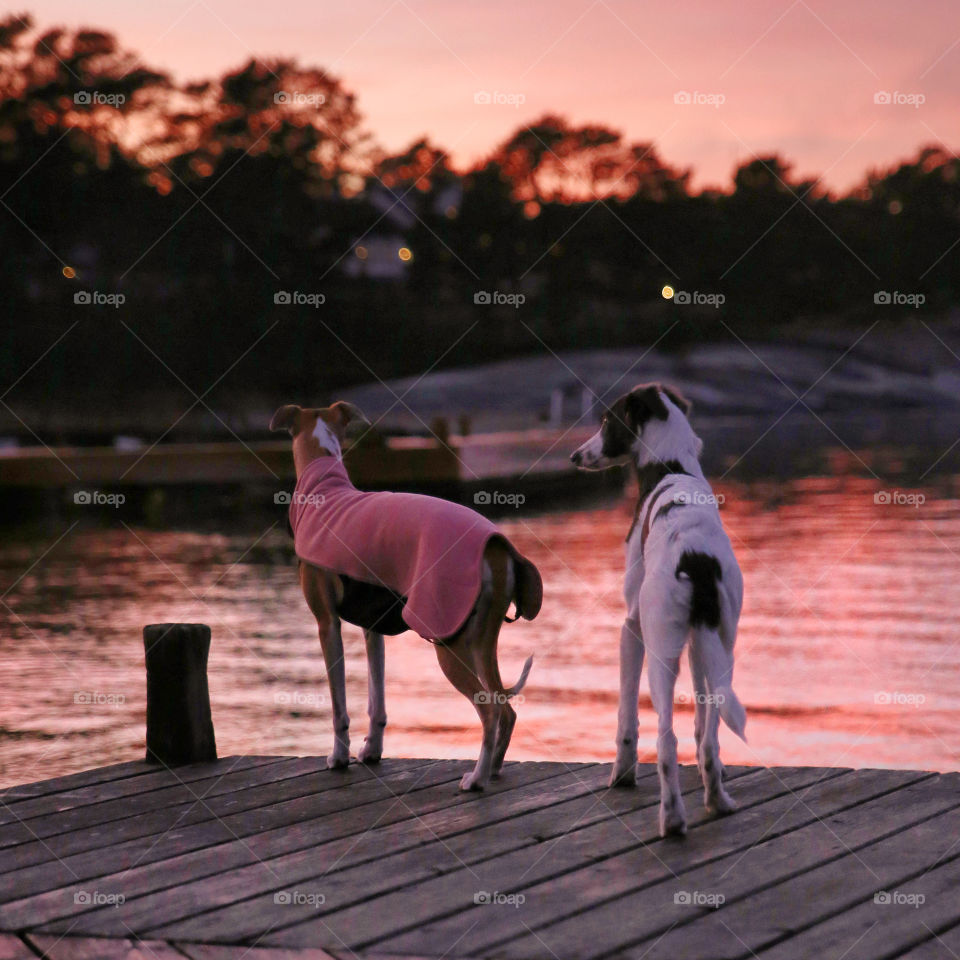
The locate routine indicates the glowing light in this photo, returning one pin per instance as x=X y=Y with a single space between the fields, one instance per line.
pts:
x=69 y=272
x=361 y=253
x=667 y=292
x=531 y=209
x=405 y=254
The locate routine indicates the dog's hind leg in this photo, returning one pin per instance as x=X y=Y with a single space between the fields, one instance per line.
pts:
x=663 y=677
x=372 y=749
x=700 y=699
x=631 y=664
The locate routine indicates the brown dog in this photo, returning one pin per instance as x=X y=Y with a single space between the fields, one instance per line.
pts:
x=468 y=658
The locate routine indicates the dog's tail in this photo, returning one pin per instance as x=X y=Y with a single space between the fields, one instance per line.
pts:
x=704 y=573
x=519 y=685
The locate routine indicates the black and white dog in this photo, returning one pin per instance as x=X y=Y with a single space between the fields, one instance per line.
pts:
x=682 y=583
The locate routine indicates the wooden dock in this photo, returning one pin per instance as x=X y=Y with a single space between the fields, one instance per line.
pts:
x=274 y=858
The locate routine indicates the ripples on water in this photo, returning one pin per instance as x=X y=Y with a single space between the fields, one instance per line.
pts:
x=846 y=654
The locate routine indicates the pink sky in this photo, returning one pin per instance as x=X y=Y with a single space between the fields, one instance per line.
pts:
x=797 y=76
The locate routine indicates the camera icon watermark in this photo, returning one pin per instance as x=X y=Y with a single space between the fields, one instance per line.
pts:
x=495 y=696
x=887 y=298
x=294 y=898
x=94 y=98
x=696 y=298
x=496 y=498
x=897 y=898
x=885 y=98
x=299 y=299
x=498 y=98
x=294 y=98
x=899 y=498
x=498 y=299
x=285 y=498
x=697 y=98
x=896 y=698
x=97 y=498
x=698 y=898
x=98 y=699
x=297 y=698
x=698 y=498
x=95 y=898
x=486 y=898
x=96 y=298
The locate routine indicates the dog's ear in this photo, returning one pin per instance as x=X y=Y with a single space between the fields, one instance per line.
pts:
x=679 y=399
x=287 y=418
x=644 y=402
x=349 y=413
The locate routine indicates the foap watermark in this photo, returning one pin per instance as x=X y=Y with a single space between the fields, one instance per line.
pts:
x=898 y=99
x=498 y=299
x=499 y=899
x=896 y=298
x=299 y=299
x=98 y=698
x=698 y=898
x=698 y=299
x=498 y=98
x=698 y=498
x=285 y=498
x=495 y=696
x=97 y=298
x=96 y=898
x=697 y=98
x=897 y=898
x=294 y=98
x=899 y=498
x=297 y=698
x=97 y=498
x=497 y=498
x=707 y=699
x=897 y=698
x=295 y=898
x=95 y=98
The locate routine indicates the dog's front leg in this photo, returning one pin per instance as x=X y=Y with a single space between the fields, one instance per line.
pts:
x=332 y=643
x=372 y=749
x=631 y=663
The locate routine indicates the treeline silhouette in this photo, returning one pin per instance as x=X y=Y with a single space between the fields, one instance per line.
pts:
x=201 y=205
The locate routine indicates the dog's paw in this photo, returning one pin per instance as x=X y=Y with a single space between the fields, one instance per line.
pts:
x=471 y=781
x=719 y=803
x=369 y=753
x=337 y=761
x=625 y=776
x=673 y=820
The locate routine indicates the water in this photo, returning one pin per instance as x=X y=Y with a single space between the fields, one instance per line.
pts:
x=846 y=655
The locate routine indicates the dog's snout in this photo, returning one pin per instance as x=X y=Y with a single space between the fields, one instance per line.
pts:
x=576 y=457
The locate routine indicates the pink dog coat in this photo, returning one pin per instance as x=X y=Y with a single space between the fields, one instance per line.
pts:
x=426 y=550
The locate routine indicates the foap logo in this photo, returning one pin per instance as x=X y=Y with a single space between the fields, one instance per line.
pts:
x=897 y=698
x=497 y=498
x=896 y=298
x=94 y=98
x=96 y=898
x=499 y=899
x=285 y=498
x=498 y=98
x=698 y=299
x=96 y=298
x=294 y=98
x=698 y=98
x=97 y=498
x=297 y=698
x=498 y=299
x=292 y=898
x=899 y=498
x=897 y=898
x=494 y=696
x=99 y=699
x=708 y=699
x=898 y=99
x=698 y=498
x=299 y=299
x=698 y=898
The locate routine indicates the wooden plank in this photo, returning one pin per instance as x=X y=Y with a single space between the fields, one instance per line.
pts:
x=88 y=948
x=449 y=827
x=944 y=943
x=70 y=781
x=763 y=800
x=202 y=781
x=800 y=899
x=720 y=856
x=872 y=930
x=358 y=925
x=13 y=948
x=210 y=951
x=178 y=894
x=250 y=810
x=158 y=778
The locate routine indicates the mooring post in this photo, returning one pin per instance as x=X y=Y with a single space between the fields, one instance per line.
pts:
x=179 y=724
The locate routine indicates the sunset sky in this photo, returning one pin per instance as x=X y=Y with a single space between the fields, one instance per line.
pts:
x=794 y=76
